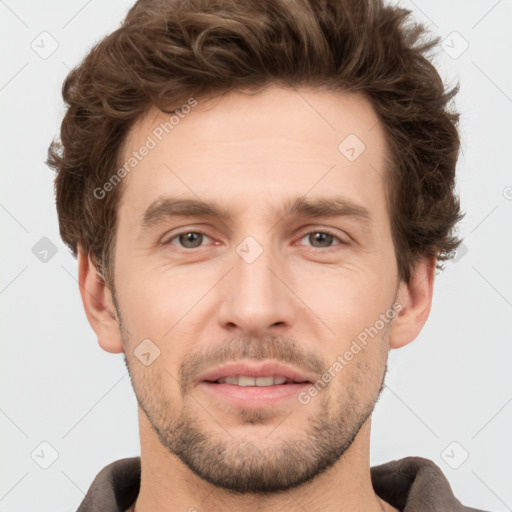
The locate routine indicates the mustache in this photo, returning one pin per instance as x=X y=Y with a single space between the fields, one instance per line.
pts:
x=273 y=347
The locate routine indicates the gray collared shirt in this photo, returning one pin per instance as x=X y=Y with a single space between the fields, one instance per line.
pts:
x=412 y=484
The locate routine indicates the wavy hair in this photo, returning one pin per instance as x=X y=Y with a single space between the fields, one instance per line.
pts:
x=166 y=51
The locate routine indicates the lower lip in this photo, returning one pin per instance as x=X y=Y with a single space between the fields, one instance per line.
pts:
x=254 y=397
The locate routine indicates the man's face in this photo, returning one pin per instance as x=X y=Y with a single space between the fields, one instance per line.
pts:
x=260 y=285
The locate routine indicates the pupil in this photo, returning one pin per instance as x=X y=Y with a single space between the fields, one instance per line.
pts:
x=189 y=238
x=322 y=237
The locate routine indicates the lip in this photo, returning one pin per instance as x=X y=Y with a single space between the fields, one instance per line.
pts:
x=254 y=397
x=267 y=369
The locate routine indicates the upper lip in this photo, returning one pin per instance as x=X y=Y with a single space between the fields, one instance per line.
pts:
x=266 y=369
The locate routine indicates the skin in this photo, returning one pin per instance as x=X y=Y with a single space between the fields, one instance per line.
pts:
x=302 y=301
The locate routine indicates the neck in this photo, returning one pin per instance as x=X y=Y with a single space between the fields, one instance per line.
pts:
x=167 y=485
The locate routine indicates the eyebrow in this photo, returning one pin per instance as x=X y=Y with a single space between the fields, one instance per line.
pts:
x=167 y=207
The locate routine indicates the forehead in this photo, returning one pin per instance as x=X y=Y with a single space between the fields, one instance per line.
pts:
x=256 y=151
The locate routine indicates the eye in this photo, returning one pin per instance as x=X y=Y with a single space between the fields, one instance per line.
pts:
x=188 y=239
x=193 y=239
x=324 y=238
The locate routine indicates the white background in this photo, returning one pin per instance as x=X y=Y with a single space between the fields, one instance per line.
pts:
x=57 y=386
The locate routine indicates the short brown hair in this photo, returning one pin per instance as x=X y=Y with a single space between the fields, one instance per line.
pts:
x=169 y=50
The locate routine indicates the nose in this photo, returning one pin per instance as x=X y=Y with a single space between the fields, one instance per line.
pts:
x=256 y=295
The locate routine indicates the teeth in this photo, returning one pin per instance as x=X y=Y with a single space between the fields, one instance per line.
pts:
x=243 y=380
x=246 y=381
x=264 y=381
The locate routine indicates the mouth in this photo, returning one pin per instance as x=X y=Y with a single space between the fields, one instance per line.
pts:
x=254 y=386
x=245 y=381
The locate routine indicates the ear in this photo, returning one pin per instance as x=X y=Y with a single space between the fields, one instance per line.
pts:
x=415 y=297
x=98 y=304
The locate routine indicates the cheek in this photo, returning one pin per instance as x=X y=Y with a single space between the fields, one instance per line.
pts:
x=351 y=304
x=153 y=298
x=348 y=299
x=359 y=369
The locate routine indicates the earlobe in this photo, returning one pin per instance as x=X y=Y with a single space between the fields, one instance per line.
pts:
x=98 y=305
x=415 y=297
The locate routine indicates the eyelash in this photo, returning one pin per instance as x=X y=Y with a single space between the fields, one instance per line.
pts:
x=323 y=231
